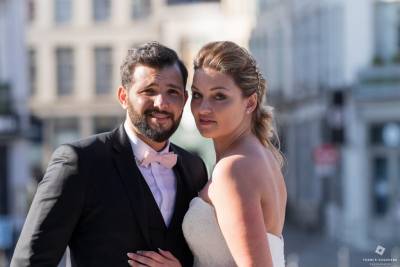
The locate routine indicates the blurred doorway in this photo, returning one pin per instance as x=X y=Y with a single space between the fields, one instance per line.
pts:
x=385 y=181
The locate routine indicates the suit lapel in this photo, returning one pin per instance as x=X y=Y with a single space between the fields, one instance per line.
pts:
x=152 y=206
x=180 y=170
x=131 y=178
x=181 y=192
x=134 y=182
x=179 y=207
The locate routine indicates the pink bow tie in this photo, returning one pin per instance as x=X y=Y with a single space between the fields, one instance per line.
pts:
x=168 y=160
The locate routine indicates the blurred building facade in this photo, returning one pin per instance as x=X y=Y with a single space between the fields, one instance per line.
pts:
x=76 y=48
x=14 y=123
x=333 y=74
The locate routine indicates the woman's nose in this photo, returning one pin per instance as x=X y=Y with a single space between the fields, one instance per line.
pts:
x=205 y=107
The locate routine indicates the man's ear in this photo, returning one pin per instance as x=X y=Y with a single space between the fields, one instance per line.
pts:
x=251 y=103
x=122 y=95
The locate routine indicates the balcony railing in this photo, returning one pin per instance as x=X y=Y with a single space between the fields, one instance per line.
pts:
x=378 y=83
x=174 y=2
x=386 y=74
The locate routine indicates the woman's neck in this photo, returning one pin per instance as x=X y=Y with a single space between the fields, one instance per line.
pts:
x=225 y=143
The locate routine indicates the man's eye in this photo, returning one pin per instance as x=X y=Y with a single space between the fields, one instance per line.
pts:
x=149 y=92
x=174 y=92
x=196 y=95
x=220 y=97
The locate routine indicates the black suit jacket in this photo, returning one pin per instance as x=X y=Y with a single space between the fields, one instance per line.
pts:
x=94 y=199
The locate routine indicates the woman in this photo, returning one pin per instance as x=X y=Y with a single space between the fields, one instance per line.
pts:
x=238 y=218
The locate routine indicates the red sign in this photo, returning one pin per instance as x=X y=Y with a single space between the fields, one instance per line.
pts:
x=326 y=154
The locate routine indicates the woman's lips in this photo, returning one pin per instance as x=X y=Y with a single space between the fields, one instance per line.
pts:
x=206 y=122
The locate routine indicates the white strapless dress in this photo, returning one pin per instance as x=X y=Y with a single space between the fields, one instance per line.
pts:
x=205 y=239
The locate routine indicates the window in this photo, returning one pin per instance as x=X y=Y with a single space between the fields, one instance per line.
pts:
x=385 y=134
x=381 y=188
x=4 y=167
x=141 y=9
x=105 y=124
x=63 y=11
x=263 y=4
x=65 y=130
x=398 y=36
x=103 y=69
x=101 y=10
x=398 y=30
x=31 y=11
x=5 y=98
x=65 y=70
x=32 y=70
x=279 y=58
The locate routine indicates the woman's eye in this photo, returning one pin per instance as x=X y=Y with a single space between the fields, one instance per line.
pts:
x=195 y=95
x=220 y=97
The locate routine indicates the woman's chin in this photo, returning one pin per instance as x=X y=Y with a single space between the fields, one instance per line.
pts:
x=205 y=133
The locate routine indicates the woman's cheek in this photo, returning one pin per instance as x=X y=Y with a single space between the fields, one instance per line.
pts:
x=194 y=105
x=225 y=105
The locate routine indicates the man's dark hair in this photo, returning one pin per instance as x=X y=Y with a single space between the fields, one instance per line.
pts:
x=151 y=54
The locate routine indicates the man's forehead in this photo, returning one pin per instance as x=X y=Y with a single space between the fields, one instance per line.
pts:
x=144 y=72
x=142 y=69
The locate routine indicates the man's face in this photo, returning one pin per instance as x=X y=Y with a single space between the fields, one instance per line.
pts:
x=155 y=101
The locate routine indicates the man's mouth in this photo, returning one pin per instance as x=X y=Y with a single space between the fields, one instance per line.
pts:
x=160 y=116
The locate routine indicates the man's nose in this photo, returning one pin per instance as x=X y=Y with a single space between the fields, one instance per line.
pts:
x=161 y=101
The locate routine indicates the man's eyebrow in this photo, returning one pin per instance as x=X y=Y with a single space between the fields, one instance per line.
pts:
x=151 y=85
x=174 y=86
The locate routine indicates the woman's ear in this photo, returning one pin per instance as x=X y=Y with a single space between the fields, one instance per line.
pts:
x=251 y=103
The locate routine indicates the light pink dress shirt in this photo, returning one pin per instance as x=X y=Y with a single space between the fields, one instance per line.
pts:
x=161 y=180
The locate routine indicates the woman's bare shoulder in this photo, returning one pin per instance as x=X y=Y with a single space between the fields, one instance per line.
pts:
x=251 y=171
x=239 y=170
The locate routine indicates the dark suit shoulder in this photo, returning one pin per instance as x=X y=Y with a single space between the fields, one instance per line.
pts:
x=193 y=168
x=92 y=141
x=89 y=152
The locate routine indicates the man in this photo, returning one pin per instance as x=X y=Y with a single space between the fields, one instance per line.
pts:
x=121 y=191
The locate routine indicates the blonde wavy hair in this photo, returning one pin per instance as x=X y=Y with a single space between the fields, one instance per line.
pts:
x=235 y=61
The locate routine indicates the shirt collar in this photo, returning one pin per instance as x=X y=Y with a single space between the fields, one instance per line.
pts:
x=139 y=147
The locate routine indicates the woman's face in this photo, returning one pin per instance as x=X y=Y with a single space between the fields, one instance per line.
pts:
x=218 y=105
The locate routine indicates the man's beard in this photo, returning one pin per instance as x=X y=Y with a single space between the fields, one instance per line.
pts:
x=157 y=134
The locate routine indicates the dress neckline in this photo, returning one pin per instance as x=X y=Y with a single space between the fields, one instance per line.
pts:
x=280 y=238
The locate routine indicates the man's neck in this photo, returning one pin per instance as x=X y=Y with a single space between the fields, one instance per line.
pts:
x=154 y=145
